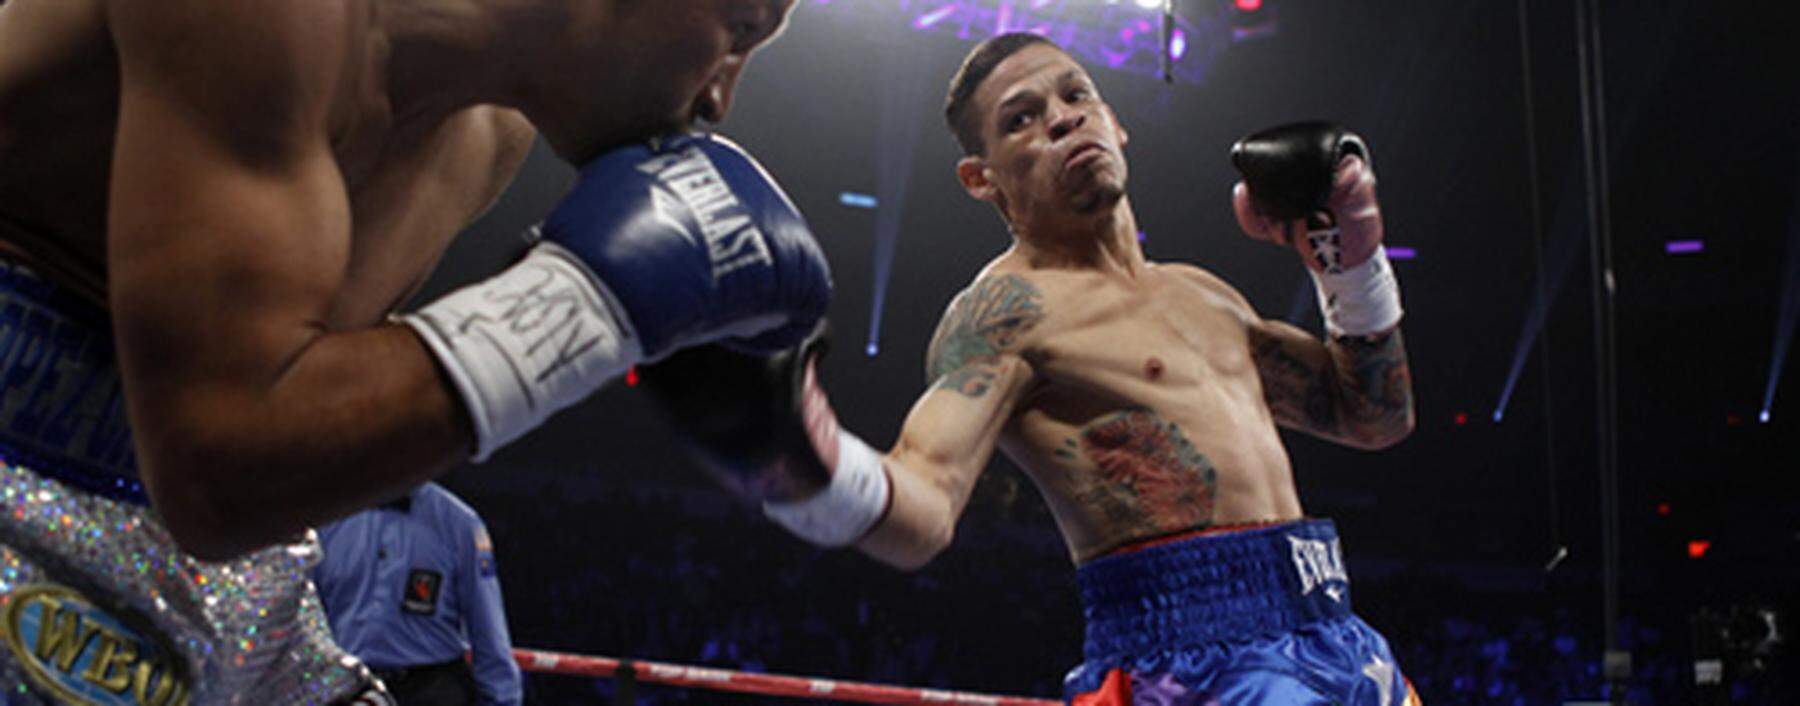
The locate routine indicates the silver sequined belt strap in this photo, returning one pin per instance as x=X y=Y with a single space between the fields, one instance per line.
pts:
x=99 y=607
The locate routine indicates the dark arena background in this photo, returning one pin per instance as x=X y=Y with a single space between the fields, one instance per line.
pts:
x=1510 y=138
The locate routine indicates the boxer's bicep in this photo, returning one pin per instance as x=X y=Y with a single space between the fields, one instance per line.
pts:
x=951 y=434
x=228 y=236
x=229 y=225
x=977 y=376
x=944 y=445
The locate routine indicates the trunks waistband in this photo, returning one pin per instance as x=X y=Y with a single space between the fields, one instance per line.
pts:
x=1213 y=588
x=62 y=402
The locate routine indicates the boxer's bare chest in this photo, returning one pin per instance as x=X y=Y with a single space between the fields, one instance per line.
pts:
x=1147 y=417
x=1160 y=342
x=59 y=100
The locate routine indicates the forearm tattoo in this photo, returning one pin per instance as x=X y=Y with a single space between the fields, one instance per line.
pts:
x=1364 y=392
x=983 y=321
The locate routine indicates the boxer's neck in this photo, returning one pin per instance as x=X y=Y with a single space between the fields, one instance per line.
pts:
x=1104 y=241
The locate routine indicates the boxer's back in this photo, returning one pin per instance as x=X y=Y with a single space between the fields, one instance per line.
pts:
x=59 y=95
x=59 y=99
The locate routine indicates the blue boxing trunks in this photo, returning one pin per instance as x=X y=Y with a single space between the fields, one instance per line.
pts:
x=1249 y=617
x=97 y=605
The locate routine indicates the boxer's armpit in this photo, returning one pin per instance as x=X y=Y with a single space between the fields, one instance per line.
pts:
x=985 y=321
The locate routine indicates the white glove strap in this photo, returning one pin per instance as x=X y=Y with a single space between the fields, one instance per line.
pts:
x=844 y=511
x=527 y=342
x=1361 y=300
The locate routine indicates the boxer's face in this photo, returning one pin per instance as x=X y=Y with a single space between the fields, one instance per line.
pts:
x=1052 y=145
x=658 y=65
x=703 y=45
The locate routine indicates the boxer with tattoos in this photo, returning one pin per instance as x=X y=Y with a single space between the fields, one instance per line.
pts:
x=1142 y=398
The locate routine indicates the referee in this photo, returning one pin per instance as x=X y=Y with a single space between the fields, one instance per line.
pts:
x=410 y=588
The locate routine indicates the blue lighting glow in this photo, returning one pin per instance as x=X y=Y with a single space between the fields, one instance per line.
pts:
x=1402 y=253
x=1764 y=417
x=872 y=349
x=1684 y=247
x=856 y=200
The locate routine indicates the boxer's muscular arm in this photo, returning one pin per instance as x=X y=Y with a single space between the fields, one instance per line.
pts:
x=978 y=378
x=1354 y=390
x=229 y=234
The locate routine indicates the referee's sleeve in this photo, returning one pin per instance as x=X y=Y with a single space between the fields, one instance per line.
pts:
x=496 y=674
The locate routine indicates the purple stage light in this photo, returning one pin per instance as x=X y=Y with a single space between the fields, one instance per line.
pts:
x=1683 y=247
x=933 y=17
x=1764 y=417
x=1401 y=253
x=1122 y=34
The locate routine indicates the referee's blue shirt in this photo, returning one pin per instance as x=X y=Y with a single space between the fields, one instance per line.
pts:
x=412 y=583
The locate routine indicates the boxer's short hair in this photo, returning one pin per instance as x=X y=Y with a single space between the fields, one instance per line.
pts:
x=975 y=68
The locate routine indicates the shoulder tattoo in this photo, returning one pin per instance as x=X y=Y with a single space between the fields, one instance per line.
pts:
x=985 y=320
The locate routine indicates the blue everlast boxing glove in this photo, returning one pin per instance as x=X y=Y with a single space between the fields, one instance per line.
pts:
x=697 y=243
x=681 y=241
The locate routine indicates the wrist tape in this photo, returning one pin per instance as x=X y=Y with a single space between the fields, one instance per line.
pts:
x=527 y=342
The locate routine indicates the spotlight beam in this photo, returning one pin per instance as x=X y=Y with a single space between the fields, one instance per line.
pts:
x=901 y=97
x=1788 y=314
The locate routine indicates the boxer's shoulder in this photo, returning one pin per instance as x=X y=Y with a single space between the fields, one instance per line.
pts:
x=1000 y=313
x=1207 y=287
x=270 y=79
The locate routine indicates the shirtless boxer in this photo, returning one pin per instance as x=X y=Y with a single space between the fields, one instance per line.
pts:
x=233 y=196
x=1142 y=398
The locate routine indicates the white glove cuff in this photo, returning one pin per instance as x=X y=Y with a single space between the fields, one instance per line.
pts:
x=527 y=342
x=848 y=507
x=1361 y=300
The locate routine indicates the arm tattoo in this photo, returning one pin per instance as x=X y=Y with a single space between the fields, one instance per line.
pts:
x=1364 y=393
x=1377 y=384
x=985 y=320
x=1297 y=392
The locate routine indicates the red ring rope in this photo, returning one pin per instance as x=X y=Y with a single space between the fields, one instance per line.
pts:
x=753 y=683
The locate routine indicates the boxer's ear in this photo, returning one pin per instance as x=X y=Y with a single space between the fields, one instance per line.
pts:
x=972 y=172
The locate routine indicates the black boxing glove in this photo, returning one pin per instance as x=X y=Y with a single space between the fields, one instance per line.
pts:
x=1289 y=169
x=762 y=425
x=1320 y=175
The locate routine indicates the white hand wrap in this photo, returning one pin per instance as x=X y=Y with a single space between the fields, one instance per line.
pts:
x=527 y=342
x=853 y=502
x=1361 y=300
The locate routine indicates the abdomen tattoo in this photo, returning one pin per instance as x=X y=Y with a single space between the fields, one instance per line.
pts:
x=1151 y=478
